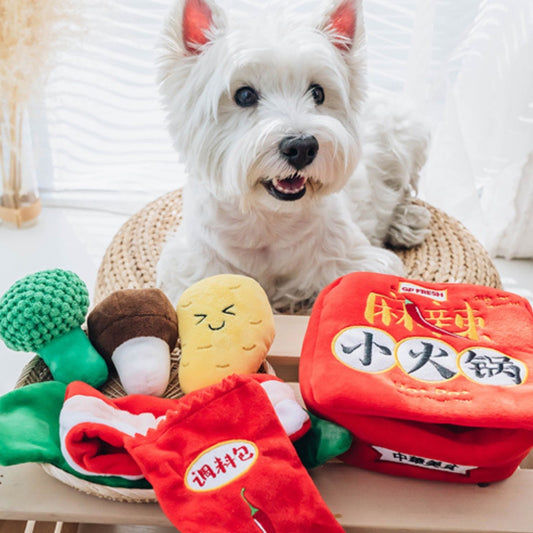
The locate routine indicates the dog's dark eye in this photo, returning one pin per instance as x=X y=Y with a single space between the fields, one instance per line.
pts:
x=317 y=93
x=246 y=97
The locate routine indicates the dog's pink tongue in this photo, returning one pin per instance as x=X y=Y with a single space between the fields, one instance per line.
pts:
x=290 y=185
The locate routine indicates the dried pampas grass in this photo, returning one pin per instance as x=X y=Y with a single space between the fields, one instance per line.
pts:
x=31 y=31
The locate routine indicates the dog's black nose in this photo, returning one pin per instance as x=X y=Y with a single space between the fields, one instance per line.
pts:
x=299 y=151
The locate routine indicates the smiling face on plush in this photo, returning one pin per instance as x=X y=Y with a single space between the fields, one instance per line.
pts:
x=225 y=326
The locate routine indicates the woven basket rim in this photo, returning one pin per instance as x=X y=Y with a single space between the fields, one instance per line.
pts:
x=105 y=492
x=450 y=253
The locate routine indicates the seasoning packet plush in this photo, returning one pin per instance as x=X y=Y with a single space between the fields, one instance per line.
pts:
x=221 y=461
x=433 y=380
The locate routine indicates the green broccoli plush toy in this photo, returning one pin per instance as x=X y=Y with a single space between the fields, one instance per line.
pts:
x=43 y=313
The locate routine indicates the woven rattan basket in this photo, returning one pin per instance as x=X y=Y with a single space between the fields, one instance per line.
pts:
x=449 y=254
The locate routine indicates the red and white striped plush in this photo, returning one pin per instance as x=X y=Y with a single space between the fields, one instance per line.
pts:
x=94 y=428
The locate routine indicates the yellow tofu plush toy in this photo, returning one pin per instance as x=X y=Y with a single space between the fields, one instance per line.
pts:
x=226 y=327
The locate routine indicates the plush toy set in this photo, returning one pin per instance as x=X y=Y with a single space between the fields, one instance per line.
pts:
x=237 y=441
x=399 y=376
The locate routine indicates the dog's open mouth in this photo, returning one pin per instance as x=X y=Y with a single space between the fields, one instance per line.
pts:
x=287 y=189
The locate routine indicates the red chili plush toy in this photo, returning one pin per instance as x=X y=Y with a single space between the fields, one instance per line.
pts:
x=432 y=379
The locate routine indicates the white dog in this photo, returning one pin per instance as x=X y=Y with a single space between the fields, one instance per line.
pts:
x=292 y=179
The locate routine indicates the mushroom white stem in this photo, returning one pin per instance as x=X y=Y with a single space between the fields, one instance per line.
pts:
x=143 y=365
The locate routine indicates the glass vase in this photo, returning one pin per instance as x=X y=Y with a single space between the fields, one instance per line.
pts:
x=19 y=196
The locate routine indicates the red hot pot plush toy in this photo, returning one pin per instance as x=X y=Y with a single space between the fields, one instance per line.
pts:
x=433 y=380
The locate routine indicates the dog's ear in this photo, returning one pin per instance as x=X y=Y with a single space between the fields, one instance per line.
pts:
x=341 y=23
x=199 y=21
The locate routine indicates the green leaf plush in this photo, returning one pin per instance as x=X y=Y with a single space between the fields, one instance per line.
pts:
x=324 y=441
x=29 y=431
x=29 y=424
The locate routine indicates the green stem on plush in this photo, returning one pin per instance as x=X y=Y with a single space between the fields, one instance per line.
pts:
x=71 y=357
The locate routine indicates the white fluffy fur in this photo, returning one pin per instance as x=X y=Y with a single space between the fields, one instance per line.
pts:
x=359 y=185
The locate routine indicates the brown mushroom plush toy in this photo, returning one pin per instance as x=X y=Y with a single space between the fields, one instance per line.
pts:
x=135 y=330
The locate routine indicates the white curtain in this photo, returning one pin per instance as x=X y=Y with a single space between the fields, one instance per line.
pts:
x=104 y=125
x=469 y=66
x=466 y=64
